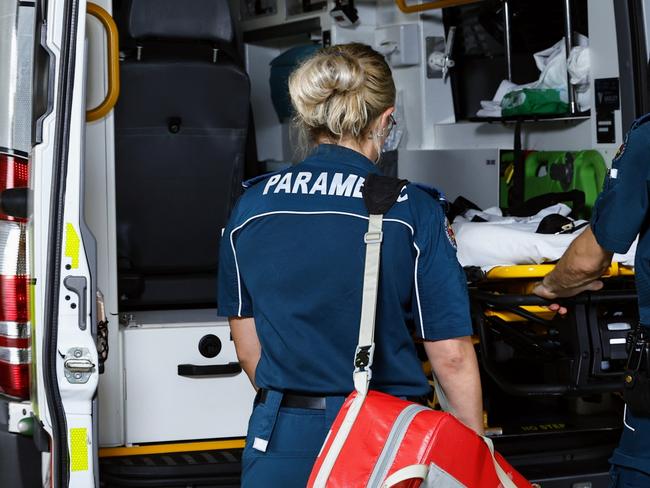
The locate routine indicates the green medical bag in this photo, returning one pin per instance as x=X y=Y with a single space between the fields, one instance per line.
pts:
x=533 y=101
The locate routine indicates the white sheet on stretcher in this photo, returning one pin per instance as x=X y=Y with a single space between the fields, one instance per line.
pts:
x=506 y=241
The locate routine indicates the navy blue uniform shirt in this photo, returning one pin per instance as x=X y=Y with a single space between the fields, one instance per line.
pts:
x=621 y=211
x=292 y=257
x=620 y=214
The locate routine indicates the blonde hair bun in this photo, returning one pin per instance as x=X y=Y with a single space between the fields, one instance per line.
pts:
x=340 y=90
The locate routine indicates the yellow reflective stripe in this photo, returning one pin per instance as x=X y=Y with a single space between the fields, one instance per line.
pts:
x=72 y=244
x=168 y=448
x=79 y=449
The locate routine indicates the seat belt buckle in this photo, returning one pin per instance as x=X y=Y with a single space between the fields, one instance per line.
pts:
x=373 y=237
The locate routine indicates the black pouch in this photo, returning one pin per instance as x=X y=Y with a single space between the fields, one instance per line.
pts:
x=636 y=380
x=637 y=392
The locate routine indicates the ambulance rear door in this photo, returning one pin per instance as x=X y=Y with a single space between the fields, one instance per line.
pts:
x=65 y=359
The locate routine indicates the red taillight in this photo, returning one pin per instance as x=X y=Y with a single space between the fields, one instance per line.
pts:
x=14 y=300
x=15 y=353
x=14 y=378
x=14 y=173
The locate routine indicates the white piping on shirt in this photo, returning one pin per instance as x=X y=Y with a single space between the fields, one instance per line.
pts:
x=417 y=290
x=324 y=212
x=625 y=419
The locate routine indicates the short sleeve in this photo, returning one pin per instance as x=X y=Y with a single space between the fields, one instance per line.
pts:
x=621 y=208
x=441 y=299
x=233 y=297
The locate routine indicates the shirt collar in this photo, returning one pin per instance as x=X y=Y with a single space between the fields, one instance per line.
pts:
x=335 y=155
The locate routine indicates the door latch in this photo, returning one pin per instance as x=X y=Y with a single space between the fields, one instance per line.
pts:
x=78 y=365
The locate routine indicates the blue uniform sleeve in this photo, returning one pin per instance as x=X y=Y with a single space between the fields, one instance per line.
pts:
x=622 y=207
x=233 y=297
x=441 y=303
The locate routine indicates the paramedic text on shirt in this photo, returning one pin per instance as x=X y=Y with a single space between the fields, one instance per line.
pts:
x=620 y=214
x=291 y=276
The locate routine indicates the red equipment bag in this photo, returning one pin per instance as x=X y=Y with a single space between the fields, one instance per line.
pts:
x=394 y=442
x=378 y=440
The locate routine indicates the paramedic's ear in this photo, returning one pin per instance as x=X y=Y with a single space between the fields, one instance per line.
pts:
x=385 y=122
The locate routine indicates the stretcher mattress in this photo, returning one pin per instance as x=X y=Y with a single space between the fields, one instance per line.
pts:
x=507 y=241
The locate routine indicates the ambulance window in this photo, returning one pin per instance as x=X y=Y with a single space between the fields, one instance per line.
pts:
x=479 y=48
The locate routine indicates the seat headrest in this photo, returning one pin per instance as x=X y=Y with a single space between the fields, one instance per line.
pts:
x=207 y=20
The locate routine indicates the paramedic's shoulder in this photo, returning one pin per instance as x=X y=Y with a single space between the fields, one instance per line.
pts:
x=641 y=122
x=428 y=207
x=635 y=144
x=425 y=199
x=621 y=210
x=250 y=201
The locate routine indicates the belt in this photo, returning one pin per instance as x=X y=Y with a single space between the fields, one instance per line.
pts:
x=312 y=402
x=294 y=400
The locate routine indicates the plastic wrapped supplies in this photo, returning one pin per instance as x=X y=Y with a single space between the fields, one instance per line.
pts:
x=552 y=63
x=578 y=67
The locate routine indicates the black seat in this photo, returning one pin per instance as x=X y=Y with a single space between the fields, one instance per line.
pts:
x=181 y=127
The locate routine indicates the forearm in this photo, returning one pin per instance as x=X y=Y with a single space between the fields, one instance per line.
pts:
x=456 y=367
x=583 y=262
x=247 y=345
x=249 y=365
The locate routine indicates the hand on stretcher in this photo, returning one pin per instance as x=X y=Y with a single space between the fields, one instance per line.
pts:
x=543 y=291
x=578 y=270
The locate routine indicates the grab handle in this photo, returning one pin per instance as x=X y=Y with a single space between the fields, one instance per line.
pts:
x=113 y=91
x=209 y=370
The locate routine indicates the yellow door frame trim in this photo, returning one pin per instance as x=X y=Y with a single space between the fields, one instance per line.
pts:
x=171 y=448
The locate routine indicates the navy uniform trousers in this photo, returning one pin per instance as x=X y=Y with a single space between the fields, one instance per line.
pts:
x=630 y=460
x=282 y=443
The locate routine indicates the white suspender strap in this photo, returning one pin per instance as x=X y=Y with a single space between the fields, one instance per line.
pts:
x=365 y=348
x=366 y=345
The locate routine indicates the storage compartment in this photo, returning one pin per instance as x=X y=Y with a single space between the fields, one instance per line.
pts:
x=182 y=378
x=481 y=49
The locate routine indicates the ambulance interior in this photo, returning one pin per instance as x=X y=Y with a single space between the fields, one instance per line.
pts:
x=203 y=108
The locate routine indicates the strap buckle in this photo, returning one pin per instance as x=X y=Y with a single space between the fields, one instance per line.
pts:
x=373 y=237
x=363 y=358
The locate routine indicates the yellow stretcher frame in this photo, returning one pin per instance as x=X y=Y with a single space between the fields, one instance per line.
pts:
x=538 y=271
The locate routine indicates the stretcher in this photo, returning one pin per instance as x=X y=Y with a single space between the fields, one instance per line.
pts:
x=529 y=350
